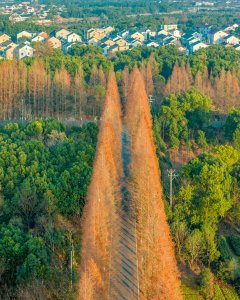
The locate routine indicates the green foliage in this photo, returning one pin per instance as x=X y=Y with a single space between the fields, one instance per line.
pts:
x=190 y=293
x=225 y=252
x=229 y=293
x=233 y=119
x=182 y=115
x=201 y=139
x=207 y=283
x=236 y=138
x=34 y=129
x=44 y=174
x=206 y=196
x=194 y=246
x=229 y=270
x=218 y=295
x=234 y=241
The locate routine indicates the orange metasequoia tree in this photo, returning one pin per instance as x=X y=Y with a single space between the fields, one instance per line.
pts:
x=100 y=220
x=157 y=267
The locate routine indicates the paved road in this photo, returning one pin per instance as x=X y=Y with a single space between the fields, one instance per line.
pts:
x=127 y=284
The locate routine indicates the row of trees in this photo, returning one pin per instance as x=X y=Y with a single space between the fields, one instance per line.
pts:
x=157 y=268
x=72 y=86
x=224 y=88
x=29 y=92
x=158 y=273
x=101 y=229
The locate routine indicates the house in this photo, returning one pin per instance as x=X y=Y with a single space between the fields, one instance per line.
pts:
x=93 y=41
x=135 y=43
x=176 y=33
x=16 y=18
x=138 y=36
x=149 y=34
x=161 y=38
x=122 y=44
x=197 y=46
x=124 y=33
x=6 y=44
x=113 y=49
x=9 y=51
x=54 y=42
x=105 y=49
x=204 y=28
x=67 y=46
x=216 y=37
x=230 y=27
x=107 y=41
x=152 y=44
x=170 y=41
x=162 y=32
x=23 y=51
x=99 y=33
x=26 y=16
x=4 y=37
x=237 y=47
x=24 y=35
x=192 y=40
x=170 y=27
x=73 y=37
x=63 y=33
x=231 y=39
x=40 y=37
x=188 y=39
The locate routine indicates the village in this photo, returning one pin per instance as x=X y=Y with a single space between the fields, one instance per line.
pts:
x=110 y=40
x=24 y=44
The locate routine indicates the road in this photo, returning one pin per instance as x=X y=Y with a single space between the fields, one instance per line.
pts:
x=127 y=282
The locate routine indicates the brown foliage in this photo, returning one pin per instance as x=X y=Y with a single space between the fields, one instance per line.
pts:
x=158 y=272
x=180 y=80
x=100 y=221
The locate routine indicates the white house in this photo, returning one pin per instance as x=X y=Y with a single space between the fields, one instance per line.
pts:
x=40 y=37
x=105 y=49
x=231 y=39
x=237 y=47
x=149 y=34
x=67 y=46
x=73 y=37
x=197 y=46
x=24 y=34
x=176 y=33
x=23 y=51
x=138 y=36
x=63 y=33
x=162 y=32
x=152 y=44
x=216 y=37
x=170 y=27
x=93 y=41
x=230 y=27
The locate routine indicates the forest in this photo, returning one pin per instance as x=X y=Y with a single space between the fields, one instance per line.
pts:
x=45 y=172
x=50 y=111
x=54 y=85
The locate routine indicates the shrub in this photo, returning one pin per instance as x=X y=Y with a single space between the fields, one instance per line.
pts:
x=218 y=295
x=229 y=293
x=224 y=249
x=207 y=283
x=235 y=243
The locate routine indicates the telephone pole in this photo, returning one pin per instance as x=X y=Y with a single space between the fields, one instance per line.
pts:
x=172 y=176
x=71 y=260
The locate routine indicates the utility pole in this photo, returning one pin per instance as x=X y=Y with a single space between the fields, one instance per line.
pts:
x=71 y=261
x=172 y=176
